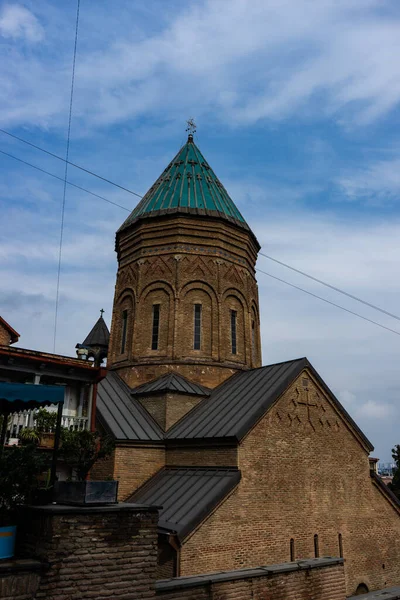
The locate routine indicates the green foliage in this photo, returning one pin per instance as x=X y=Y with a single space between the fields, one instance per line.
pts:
x=28 y=435
x=20 y=468
x=81 y=449
x=45 y=420
x=395 y=485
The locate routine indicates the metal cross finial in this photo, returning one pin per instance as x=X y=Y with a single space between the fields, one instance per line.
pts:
x=191 y=126
x=101 y=312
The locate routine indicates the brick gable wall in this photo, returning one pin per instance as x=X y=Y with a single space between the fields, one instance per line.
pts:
x=4 y=336
x=301 y=477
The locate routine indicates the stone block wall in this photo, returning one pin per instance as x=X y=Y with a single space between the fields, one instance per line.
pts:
x=319 y=579
x=96 y=552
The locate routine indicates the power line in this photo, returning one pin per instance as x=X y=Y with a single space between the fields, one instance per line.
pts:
x=332 y=287
x=16 y=137
x=62 y=179
x=65 y=176
x=329 y=302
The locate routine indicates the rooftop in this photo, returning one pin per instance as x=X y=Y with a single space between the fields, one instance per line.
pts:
x=187 y=185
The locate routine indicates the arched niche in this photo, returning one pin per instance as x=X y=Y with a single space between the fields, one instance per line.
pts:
x=154 y=320
x=362 y=588
x=197 y=299
x=255 y=339
x=234 y=323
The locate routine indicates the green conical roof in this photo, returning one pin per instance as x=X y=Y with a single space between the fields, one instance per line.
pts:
x=188 y=185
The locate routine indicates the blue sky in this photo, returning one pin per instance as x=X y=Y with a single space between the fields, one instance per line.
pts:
x=297 y=107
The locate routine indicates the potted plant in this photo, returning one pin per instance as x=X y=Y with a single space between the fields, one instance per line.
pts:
x=20 y=467
x=28 y=435
x=80 y=450
x=45 y=424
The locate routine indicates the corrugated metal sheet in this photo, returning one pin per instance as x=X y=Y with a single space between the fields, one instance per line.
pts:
x=171 y=382
x=187 y=495
x=124 y=416
x=238 y=403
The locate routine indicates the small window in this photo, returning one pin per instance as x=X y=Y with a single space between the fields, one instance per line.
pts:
x=197 y=327
x=156 y=327
x=316 y=546
x=340 y=546
x=292 y=552
x=124 y=328
x=233 y=331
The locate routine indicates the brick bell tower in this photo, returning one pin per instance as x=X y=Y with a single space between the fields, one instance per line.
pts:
x=186 y=297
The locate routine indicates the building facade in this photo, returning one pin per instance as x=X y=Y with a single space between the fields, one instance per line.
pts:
x=252 y=465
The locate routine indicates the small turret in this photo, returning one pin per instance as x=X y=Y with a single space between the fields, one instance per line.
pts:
x=95 y=345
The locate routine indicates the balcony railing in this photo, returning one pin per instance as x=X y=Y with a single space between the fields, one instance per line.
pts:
x=75 y=423
x=19 y=421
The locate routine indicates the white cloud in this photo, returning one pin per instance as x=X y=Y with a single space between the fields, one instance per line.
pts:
x=16 y=22
x=377 y=182
x=376 y=410
x=264 y=60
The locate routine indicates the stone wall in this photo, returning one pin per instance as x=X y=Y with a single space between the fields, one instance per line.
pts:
x=19 y=579
x=320 y=579
x=5 y=337
x=96 y=552
x=305 y=479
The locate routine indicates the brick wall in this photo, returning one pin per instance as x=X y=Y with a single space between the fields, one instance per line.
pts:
x=134 y=466
x=19 y=579
x=4 y=336
x=168 y=408
x=94 y=553
x=319 y=579
x=178 y=262
x=302 y=478
x=222 y=456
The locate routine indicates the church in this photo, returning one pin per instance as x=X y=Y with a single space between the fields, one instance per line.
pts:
x=252 y=465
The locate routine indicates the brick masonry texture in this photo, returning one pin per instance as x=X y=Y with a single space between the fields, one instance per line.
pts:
x=168 y=408
x=178 y=262
x=19 y=583
x=4 y=336
x=134 y=466
x=93 y=553
x=303 y=474
x=325 y=583
x=220 y=456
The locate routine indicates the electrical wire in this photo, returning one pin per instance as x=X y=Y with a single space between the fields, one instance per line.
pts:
x=62 y=179
x=65 y=177
x=296 y=287
x=332 y=287
x=16 y=137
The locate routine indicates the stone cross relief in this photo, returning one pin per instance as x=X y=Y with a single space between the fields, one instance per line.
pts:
x=309 y=411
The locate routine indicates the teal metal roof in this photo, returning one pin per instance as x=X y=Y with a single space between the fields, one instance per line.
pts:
x=188 y=185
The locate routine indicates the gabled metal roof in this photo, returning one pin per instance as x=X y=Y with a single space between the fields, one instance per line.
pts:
x=171 y=382
x=124 y=416
x=14 y=335
x=99 y=335
x=188 y=185
x=236 y=405
x=187 y=495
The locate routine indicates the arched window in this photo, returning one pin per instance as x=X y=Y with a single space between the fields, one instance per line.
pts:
x=156 y=327
x=197 y=327
x=124 y=326
x=361 y=589
x=340 y=546
x=292 y=551
x=316 y=546
x=233 y=331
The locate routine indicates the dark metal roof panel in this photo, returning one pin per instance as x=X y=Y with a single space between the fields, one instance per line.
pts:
x=171 y=382
x=124 y=416
x=187 y=495
x=238 y=403
x=99 y=335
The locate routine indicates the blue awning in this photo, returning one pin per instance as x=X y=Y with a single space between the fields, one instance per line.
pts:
x=23 y=396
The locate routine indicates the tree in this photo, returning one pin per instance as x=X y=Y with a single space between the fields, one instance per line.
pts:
x=395 y=485
x=81 y=449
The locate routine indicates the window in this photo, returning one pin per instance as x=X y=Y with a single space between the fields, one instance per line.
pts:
x=292 y=553
x=197 y=327
x=124 y=328
x=156 y=326
x=340 y=546
x=316 y=546
x=253 y=339
x=233 y=331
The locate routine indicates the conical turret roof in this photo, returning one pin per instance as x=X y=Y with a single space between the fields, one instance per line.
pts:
x=187 y=185
x=99 y=335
